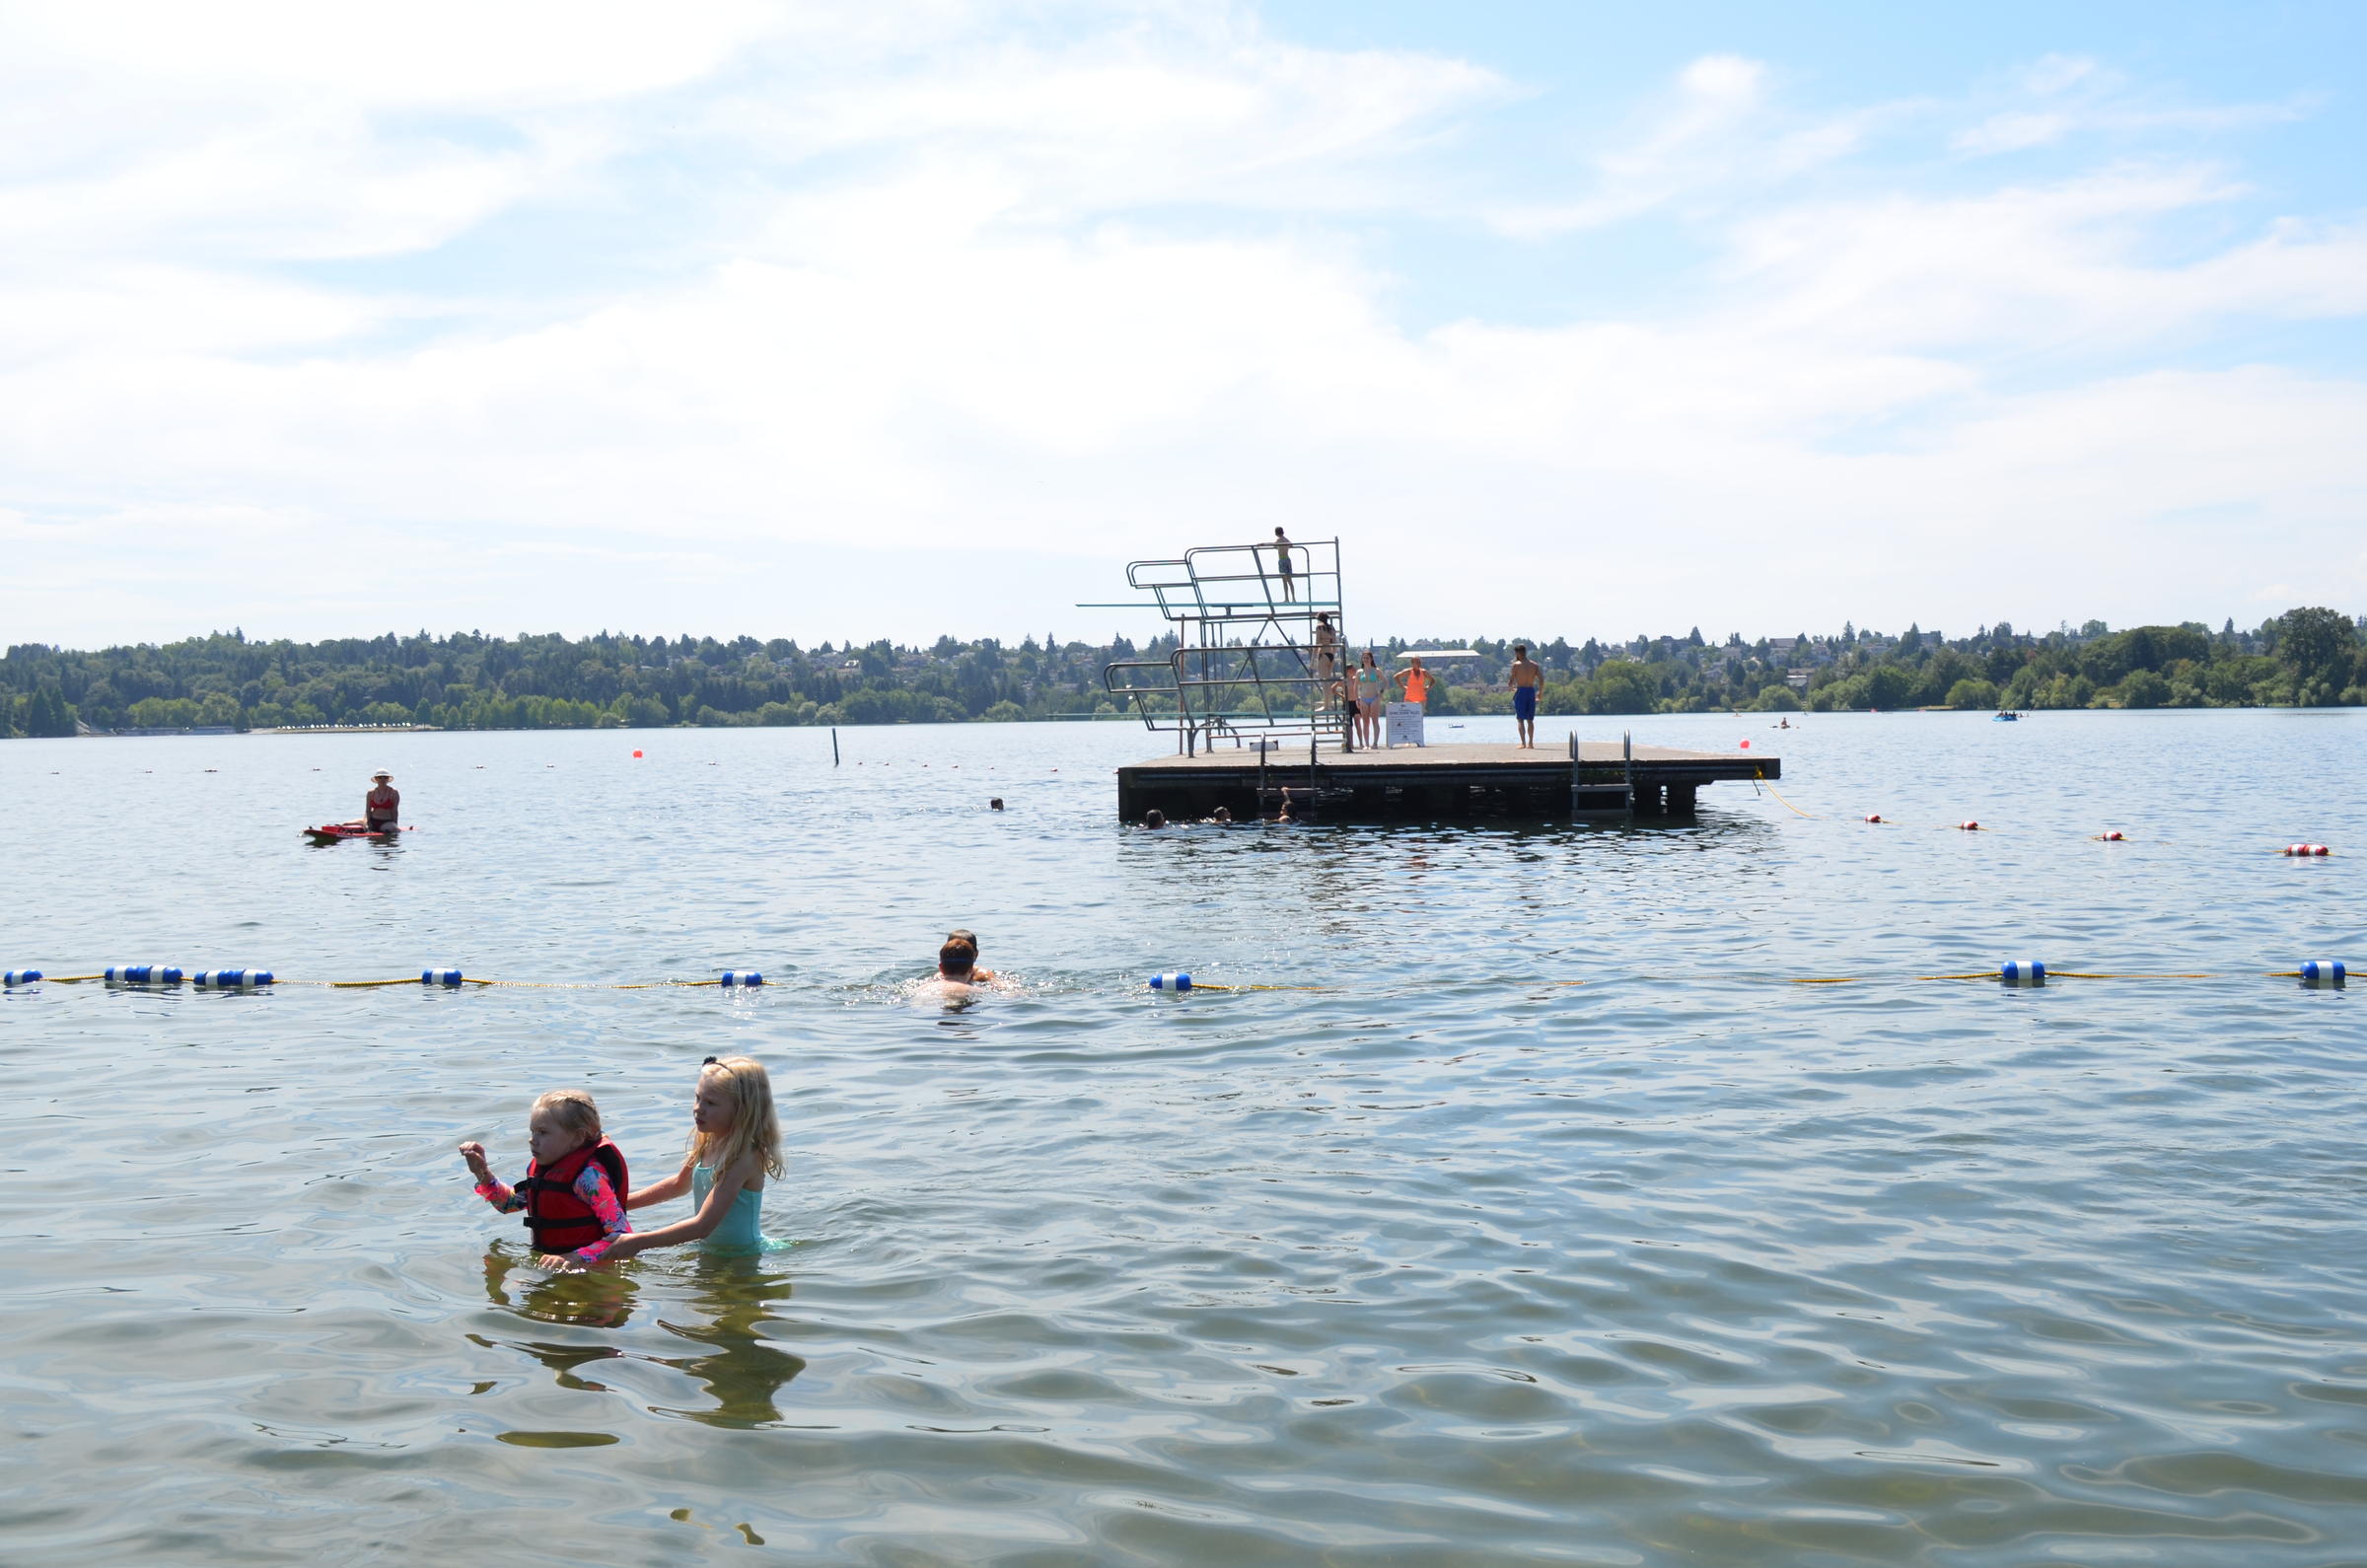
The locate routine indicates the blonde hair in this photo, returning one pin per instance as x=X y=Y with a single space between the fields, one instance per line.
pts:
x=755 y=1127
x=573 y=1110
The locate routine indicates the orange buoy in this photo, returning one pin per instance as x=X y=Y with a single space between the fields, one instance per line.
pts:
x=636 y=752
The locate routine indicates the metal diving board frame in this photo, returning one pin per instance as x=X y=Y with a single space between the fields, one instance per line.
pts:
x=1244 y=663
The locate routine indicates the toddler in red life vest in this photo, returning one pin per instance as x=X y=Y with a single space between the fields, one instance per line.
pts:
x=575 y=1185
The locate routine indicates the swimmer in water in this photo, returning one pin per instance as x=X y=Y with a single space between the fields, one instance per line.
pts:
x=1154 y=818
x=1222 y=816
x=957 y=959
x=734 y=1145
x=573 y=1194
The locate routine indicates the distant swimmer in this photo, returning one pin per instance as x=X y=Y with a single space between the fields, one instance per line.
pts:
x=1525 y=678
x=1222 y=816
x=1154 y=818
x=382 y=808
x=735 y=1144
x=574 y=1192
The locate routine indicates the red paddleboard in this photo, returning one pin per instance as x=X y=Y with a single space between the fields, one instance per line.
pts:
x=331 y=833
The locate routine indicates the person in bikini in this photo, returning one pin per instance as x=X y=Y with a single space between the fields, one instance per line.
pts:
x=382 y=808
x=1372 y=692
x=1527 y=677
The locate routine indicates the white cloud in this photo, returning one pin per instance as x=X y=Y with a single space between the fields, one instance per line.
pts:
x=2060 y=97
x=1091 y=291
x=1714 y=134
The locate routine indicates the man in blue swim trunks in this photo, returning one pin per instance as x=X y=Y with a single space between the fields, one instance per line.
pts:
x=1525 y=678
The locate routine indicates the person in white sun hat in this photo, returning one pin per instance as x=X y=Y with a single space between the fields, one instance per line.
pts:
x=382 y=808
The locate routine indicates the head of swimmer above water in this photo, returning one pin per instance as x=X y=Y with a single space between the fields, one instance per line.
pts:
x=561 y=1122
x=957 y=959
x=731 y=1115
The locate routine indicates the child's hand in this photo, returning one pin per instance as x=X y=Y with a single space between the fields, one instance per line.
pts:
x=558 y=1263
x=474 y=1153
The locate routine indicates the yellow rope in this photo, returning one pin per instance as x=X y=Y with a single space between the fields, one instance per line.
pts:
x=1770 y=789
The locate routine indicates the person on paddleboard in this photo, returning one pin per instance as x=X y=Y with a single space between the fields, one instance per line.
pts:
x=382 y=808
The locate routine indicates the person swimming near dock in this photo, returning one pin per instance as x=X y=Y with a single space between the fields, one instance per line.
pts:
x=1526 y=677
x=1154 y=818
x=734 y=1145
x=574 y=1192
x=958 y=979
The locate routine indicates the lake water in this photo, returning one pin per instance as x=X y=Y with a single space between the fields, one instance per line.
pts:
x=1446 y=1260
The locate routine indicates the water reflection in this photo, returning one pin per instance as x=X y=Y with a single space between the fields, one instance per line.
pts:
x=742 y=1368
x=599 y=1297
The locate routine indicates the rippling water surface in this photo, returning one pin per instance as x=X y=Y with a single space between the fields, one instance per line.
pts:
x=1448 y=1260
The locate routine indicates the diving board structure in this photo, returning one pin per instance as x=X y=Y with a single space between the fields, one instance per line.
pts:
x=1248 y=660
x=1248 y=685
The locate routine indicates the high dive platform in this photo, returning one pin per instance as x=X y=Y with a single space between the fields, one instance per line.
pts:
x=1248 y=687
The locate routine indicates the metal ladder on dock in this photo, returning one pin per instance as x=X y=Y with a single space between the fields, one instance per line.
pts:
x=1246 y=663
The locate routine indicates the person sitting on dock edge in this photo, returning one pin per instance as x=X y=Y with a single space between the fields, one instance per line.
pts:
x=1525 y=678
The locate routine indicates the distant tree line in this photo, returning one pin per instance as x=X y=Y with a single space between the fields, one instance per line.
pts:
x=2312 y=657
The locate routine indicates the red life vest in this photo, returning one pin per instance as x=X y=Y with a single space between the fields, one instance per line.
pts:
x=560 y=1221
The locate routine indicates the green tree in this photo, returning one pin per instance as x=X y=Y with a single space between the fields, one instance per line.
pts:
x=1971 y=692
x=2316 y=643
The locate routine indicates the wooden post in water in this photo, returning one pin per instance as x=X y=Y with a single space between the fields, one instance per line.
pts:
x=833 y=746
x=1628 y=767
x=1573 y=775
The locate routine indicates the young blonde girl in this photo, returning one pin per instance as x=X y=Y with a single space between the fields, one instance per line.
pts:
x=574 y=1192
x=734 y=1145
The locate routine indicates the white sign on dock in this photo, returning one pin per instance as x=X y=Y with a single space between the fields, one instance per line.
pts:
x=1401 y=724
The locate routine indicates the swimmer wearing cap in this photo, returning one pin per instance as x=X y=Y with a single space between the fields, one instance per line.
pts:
x=382 y=808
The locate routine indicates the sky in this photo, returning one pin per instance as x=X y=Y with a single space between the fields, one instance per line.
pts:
x=842 y=321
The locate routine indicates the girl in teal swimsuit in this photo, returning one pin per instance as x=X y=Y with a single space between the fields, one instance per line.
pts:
x=734 y=1145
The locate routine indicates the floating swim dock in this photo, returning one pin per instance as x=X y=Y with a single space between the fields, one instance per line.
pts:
x=1578 y=779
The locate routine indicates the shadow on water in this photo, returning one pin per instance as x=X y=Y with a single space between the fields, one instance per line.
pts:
x=742 y=1368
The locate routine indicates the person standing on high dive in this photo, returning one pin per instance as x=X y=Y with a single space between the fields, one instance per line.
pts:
x=1525 y=678
x=1290 y=590
x=382 y=808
